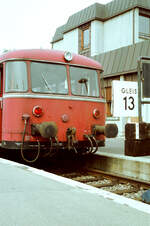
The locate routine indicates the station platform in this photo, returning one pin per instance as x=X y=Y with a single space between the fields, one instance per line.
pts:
x=116 y=146
x=31 y=197
x=112 y=159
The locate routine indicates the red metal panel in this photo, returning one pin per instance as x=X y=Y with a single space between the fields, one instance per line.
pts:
x=80 y=114
x=49 y=55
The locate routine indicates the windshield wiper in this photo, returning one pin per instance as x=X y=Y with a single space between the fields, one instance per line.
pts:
x=46 y=83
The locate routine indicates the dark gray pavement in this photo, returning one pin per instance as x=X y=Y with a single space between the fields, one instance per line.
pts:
x=30 y=197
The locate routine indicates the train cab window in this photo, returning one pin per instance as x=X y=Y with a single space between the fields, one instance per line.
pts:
x=84 y=82
x=0 y=81
x=16 y=77
x=49 y=78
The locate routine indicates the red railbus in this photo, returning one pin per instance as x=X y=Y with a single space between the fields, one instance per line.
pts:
x=50 y=100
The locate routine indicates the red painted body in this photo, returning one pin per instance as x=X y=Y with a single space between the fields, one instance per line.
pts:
x=77 y=110
x=80 y=115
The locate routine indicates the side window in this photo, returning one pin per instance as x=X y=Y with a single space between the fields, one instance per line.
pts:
x=16 y=77
x=144 y=26
x=0 y=80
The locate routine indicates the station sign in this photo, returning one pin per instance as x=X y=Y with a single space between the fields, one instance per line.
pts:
x=124 y=99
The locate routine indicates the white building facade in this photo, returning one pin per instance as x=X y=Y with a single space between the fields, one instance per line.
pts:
x=105 y=32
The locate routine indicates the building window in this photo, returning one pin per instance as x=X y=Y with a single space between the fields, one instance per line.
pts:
x=85 y=38
x=144 y=26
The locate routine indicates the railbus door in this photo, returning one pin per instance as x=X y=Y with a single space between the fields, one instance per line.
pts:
x=1 y=94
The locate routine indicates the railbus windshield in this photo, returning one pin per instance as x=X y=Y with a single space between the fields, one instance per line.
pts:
x=84 y=82
x=49 y=78
x=16 y=77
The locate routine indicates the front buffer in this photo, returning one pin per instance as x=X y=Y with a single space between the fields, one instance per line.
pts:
x=49 y=130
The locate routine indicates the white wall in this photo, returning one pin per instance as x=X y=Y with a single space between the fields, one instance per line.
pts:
x=115 y=33
x=146 y=112
x=118 y=31
x=59 y=45
x=136 y=26
x=69 y=42
x=97 y=37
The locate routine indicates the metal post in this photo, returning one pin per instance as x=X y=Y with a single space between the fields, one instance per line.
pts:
x=139 y=91
x=139 y=85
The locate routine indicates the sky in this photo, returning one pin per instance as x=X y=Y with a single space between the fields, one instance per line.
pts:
x=32 y=23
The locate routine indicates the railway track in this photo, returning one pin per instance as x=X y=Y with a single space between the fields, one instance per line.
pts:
x=127 y=187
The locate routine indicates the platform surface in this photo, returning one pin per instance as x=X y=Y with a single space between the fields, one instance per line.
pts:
x=30 y=197
x=116 y=146
x=113 y=145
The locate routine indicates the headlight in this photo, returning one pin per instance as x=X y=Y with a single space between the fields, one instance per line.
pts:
x=68 y=56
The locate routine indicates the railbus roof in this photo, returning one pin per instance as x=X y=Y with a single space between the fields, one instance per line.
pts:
x=49 y=56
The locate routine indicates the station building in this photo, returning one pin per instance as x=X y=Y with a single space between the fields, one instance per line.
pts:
x=115 y=34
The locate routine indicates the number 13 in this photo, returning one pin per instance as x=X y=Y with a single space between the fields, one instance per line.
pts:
x=129 y=103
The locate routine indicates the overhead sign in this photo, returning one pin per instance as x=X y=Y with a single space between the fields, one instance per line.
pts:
x=124 y=99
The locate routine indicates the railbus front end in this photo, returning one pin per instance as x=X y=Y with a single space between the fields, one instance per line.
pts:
x=51 y=100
